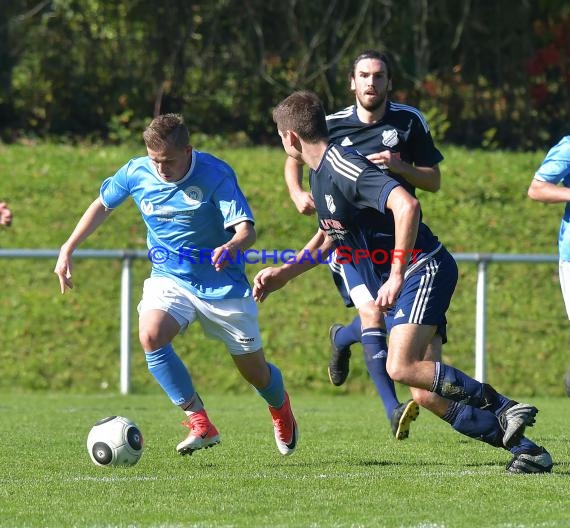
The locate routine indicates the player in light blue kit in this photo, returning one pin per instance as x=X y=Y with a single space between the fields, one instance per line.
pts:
x=545 y=187
x=198 y=224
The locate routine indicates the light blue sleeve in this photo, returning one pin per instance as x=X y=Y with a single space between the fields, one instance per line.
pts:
x=231 y=202
x=556 y=165
x=115 y=190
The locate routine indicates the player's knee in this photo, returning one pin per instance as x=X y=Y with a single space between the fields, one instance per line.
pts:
x=402 y=371
x=422 y=397
x=397 y=371
x=150 y=339
x=370 y=316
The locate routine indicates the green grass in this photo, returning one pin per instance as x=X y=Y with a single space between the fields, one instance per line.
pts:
x=72 y=342
x=348 y=471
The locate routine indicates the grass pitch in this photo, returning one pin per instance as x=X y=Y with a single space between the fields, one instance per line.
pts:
x=348 y=471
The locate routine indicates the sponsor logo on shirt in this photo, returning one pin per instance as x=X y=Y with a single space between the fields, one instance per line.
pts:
x=346 y=142
x=147 y=207
x=333 y=228
x=390 y=138
x=193 y=196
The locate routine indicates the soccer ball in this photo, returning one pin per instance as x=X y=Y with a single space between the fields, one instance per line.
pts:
x=115 y=441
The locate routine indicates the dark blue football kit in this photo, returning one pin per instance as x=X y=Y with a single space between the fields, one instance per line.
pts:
x=403 y=130
x=350 y=195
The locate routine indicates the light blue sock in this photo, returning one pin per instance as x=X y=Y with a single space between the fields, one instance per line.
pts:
x=274 y=393
x=171 y=374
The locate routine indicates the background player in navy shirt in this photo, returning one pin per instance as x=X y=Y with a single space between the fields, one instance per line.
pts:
x=197 y=222
x=363 y=210
x=397 y=138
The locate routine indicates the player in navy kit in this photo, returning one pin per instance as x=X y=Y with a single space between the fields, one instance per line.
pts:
x=198 y=221
x=364 y=211
x=397 y=138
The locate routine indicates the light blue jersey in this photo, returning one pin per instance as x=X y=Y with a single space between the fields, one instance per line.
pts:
x=556 y=169
x=186 y=220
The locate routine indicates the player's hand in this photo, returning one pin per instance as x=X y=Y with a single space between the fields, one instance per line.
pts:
x=224 y=255
x=63 y=269
x=267 y=281
x=389 y=291
x=5 y=215
x=386 y=158
x=304 y=202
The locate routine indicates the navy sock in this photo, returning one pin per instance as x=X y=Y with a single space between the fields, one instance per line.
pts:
x=475 y=423
x=457 y=386
x=375 y=354
x=482 y=425
x=350 y=334
x=524 y=445
x=274 y=393
x=171 y=374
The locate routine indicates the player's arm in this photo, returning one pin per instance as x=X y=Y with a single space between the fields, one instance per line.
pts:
x=425 y=178
x=406 y=211
x=244 y=237
x=293 y=172
x=5 y=215
x=92 y=218
x=547 y=192
x=272 y=279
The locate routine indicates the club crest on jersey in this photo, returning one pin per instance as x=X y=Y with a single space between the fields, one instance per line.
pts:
x=146 y=207
x=330 y=203
x=193 y=196
x=389 y=138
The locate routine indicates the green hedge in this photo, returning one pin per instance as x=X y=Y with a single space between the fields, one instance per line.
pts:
x=72 y=342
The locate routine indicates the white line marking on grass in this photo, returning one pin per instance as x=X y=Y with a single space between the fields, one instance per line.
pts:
x=112 y=479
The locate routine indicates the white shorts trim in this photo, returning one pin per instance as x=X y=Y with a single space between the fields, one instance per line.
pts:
x=232 y=321
x=564 y=272
x=360 y=295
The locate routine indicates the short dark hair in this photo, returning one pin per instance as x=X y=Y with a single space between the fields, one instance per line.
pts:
x=167 y=130
x=372 y=54
x=303 y=113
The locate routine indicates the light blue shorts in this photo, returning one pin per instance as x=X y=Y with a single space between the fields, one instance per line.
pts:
x=564 y=267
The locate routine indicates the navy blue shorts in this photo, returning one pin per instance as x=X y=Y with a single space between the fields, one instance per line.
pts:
x=426 y=294
x=355 y=286
x=341 y=287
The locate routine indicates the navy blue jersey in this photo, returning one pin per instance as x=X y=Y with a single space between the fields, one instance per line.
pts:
x=403 y=129
x=350 y=195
